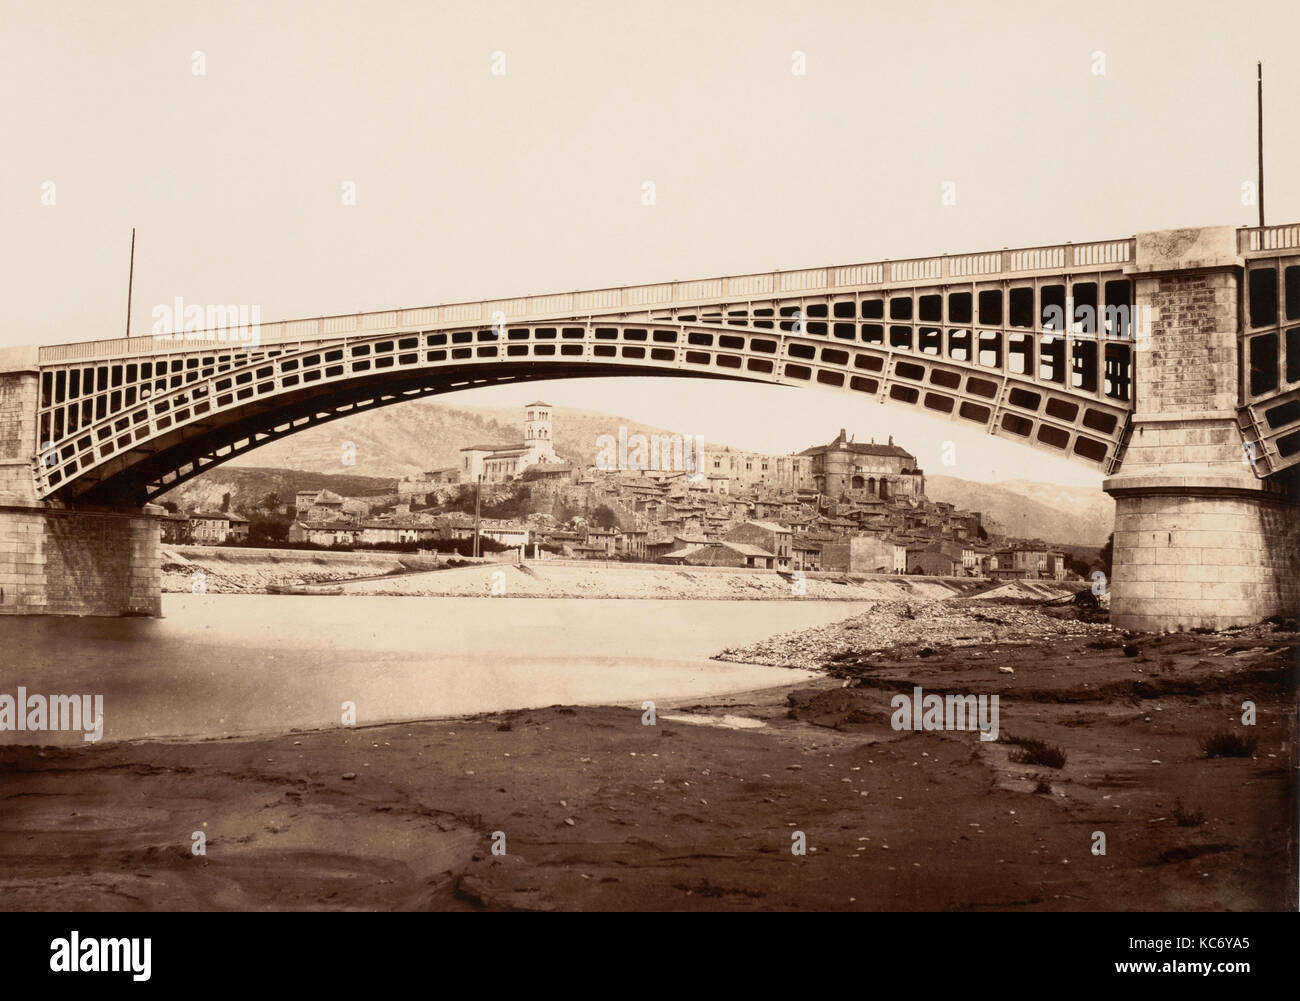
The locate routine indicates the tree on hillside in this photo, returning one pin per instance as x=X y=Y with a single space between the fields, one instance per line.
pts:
x=271 y=502
x=604 y=517
x=462 y=499
x=1075 y=565
x=225 y=502
x=1107 y=554
x=170 y=507
x=264 y=531
x=517 y=504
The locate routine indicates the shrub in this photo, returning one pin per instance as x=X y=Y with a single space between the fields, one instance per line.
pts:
x=1229 y=744
x=1036 y=752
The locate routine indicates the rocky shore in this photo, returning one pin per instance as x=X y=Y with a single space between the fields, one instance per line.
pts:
x=933 y=626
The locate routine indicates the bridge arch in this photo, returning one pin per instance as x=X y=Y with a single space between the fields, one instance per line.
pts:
x=990 y=339
x=151 y=421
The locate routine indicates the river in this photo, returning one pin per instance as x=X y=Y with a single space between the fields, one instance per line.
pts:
x=217 y=665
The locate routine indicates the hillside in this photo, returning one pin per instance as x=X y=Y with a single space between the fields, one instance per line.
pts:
x=424 y=434
x=1080 y=516
x=248 y=485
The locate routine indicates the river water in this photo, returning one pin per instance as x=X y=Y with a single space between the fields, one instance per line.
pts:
x=238 y=664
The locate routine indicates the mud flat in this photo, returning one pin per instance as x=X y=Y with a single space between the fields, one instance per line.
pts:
x=697 y=812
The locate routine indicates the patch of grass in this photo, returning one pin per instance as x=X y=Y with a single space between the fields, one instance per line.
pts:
x=1036 y=752
x=1229 y=744
x=1043 y=788
x=1185 y=817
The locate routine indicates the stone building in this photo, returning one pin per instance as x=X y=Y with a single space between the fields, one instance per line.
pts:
x=416 y=486
x=176 y=528
x=769 y=537
x=936 y=558
x=858 y=554
x=318 y=505
x=844 y=467
x=210 y=528
x=730 y=554
x=749 y=470
x=502 y=463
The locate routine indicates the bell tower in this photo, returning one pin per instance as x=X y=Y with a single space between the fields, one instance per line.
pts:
x=537 y=423
x=537 y=434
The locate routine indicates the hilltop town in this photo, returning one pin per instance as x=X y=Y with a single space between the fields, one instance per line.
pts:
x=844 y=506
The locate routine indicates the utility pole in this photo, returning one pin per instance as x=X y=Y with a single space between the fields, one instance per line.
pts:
x=130 y=283
x=478 y=491
x=1259 y=104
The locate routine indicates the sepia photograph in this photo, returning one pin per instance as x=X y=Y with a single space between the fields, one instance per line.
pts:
x=837 y=456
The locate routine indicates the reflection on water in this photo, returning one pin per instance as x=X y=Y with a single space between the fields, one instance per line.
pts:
x=224 y=664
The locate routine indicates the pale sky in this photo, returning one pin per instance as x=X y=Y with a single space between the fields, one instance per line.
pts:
x=471 y=185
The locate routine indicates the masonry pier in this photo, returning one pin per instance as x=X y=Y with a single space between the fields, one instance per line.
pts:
x=60 y=559
x=1200 y=540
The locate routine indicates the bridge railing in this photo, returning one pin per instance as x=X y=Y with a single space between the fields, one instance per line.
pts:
x=985 y=266
x=1254 y=239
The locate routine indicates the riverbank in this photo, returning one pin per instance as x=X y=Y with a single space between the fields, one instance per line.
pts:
x=595 y=810
x=229 y=570
x=238 y=570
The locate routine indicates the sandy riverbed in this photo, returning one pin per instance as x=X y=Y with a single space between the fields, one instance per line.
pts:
x=599 y=811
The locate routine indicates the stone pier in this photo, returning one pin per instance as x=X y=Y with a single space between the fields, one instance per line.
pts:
x=55 y=559
x=1200 y=541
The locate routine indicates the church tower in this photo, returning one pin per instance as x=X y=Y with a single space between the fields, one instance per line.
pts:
x=537 y=423
x=537 y=434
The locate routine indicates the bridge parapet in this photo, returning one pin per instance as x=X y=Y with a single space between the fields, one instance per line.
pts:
x=1027 y=262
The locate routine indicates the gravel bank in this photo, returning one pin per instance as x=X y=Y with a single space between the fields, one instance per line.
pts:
x=913 y=624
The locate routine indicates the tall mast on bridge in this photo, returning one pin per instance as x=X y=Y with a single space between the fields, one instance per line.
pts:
x=130 y=284
x=1259 y=105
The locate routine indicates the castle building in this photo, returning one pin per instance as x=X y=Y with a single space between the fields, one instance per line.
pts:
x=747 y=470
x=845 y=467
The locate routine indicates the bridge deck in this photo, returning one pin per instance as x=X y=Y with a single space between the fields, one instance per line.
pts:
x=959 y=336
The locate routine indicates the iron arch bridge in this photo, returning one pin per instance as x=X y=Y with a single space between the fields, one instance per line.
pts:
x=963 y=337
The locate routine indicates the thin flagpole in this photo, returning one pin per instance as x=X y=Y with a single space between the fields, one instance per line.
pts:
x=1259 y=103
x=130 y=284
